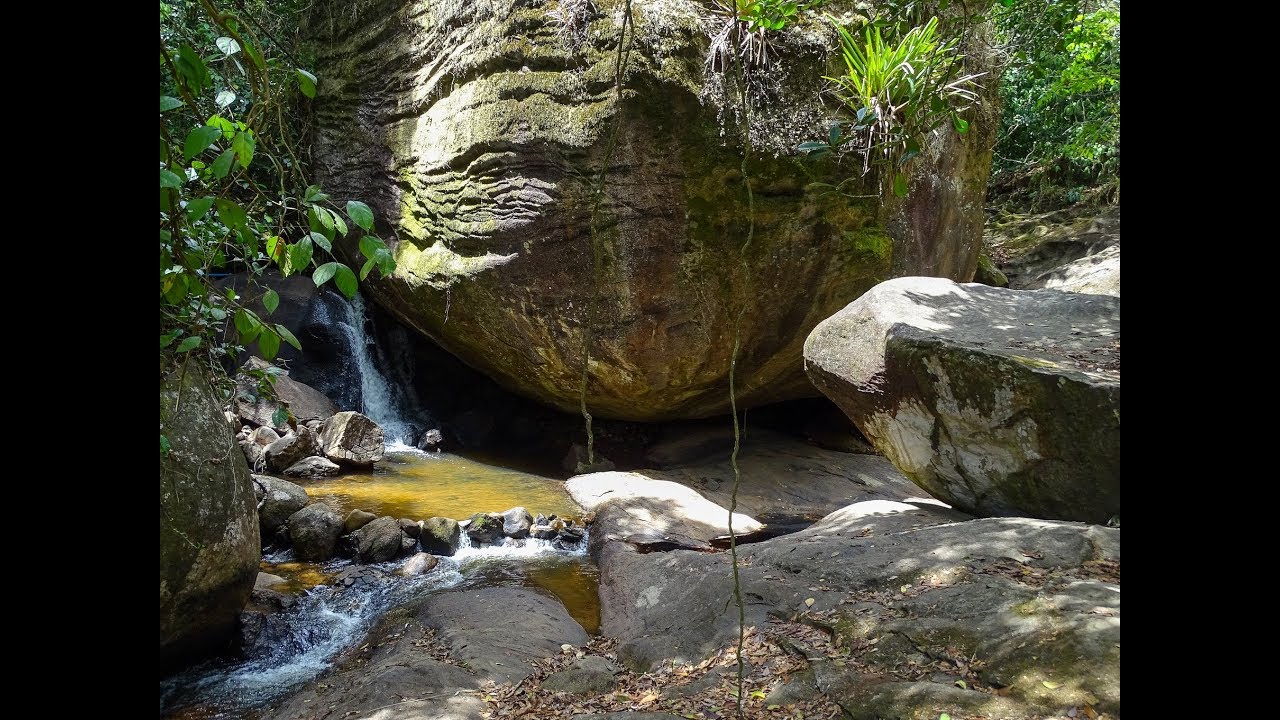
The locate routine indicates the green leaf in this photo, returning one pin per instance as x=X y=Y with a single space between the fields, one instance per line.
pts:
x=242 y=321
x=364 y=271
x=280 y=417
x=314 y=194
x=165 y=446
x=360 y=214
x=197 y=208
x=300 y=254
x=962 y=685
x=345 y=279
x=944 y=716
x=900 y=185
x=224 y=98
x=288 y=337
x=244 y=145
x=169 y=179
x=324 y=272
x=758 y=694
x=371 y=244
x=231 y=214
x=167 y=339
x=222 y=165
x=962 y=126
x=1047 y=683
x=191 y=67
x=833 y=136
x=190 y=344
x=227 y=127
x=199 y=139
x=322 y=241
x=168 y=103
x=276 y=249
x=271 y=300
x=227 y=45
x=256 y=56
x=338 y=223
x=307 y=82
x=321 y=220
x=269 y=344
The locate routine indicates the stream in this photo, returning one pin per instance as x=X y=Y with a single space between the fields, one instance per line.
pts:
x=302 y=641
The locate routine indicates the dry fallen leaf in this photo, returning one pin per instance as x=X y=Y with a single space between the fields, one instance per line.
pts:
x=808 y=602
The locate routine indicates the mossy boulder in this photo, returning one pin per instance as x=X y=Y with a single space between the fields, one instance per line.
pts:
x=209 y=538
x=1000 y=402
x=479 y=132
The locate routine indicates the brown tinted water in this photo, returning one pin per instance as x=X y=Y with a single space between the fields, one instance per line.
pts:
x=419 y=486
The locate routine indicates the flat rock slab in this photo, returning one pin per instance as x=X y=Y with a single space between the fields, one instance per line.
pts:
x=999 y=402
x=628 y=504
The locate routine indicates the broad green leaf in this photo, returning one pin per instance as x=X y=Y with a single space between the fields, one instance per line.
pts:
x=360 y=214
x=165 y=446
x=962 y=126
x=224 y=98
x=255 y=55
x=345 y=279
x=199 y=139
x=230 y=213
x=227 y=45
x=812 y=145
x=370 y=244
x=300 y=254
x=324 y=272
x=167 y=339
x=321 y=220
x=168 y=103
x=222 y=165
x=276 y=249
x=900 y=185
x=193 y=68
x=227 y=127
x=242 y=321
x=288 y=337
x=189 y=344
x=175 y=289
x=364 y=271
x=386 y=263
x=962 y=685
x=269 y=344
x=944 y=716
x=1051 y=685
x=322 y=241
x=834 y=135
x=217 y=313
x=307 y=82
x=271 y=300
x=197 y=208
x=244 y=145
x=314 y=194
x=338 y=223
x=170 y=179
x=280 y=417
x=758 y=694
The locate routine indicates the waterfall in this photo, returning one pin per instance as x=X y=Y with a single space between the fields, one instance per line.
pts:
x=380 y=400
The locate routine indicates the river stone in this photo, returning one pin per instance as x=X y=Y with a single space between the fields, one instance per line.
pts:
x=291 y=448
x=516 y=523
x=999 y=402
x=477 y=131
x=420 y=564
x=378 y=541
x=410 y=528
x=264 y=436
x=440 y=536
x=575 y=461
x=408 y=545
x=485 y=528
x=313 y=467
x=357 y=519
x=314 y=531
x=349 y=438
x=209 y=537
x=630 y=504
x=280 y=499
x=591 y=675
x=493 y=629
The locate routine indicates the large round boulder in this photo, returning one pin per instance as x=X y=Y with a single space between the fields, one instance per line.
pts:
x=209 y=537
x=479 y=132
x=1000 y=402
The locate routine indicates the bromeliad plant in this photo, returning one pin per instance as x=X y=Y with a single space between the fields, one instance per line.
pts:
x=896 y=93
x=752 y=20
x=221 y=109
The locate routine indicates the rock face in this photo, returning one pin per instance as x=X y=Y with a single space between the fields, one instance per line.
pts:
x=1000 y=402
x=314 y=530
x=209 y=540
x=349 y=438
x=634 y=508
x=1060 y=252
x=290 y=449
x=1034 y=605
x=313 y=467
x=478 y=132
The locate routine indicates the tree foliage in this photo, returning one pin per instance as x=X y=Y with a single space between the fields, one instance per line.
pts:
x=234 y=195
x=1060 y=131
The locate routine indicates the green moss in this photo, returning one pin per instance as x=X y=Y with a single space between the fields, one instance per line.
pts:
x=871 y=242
